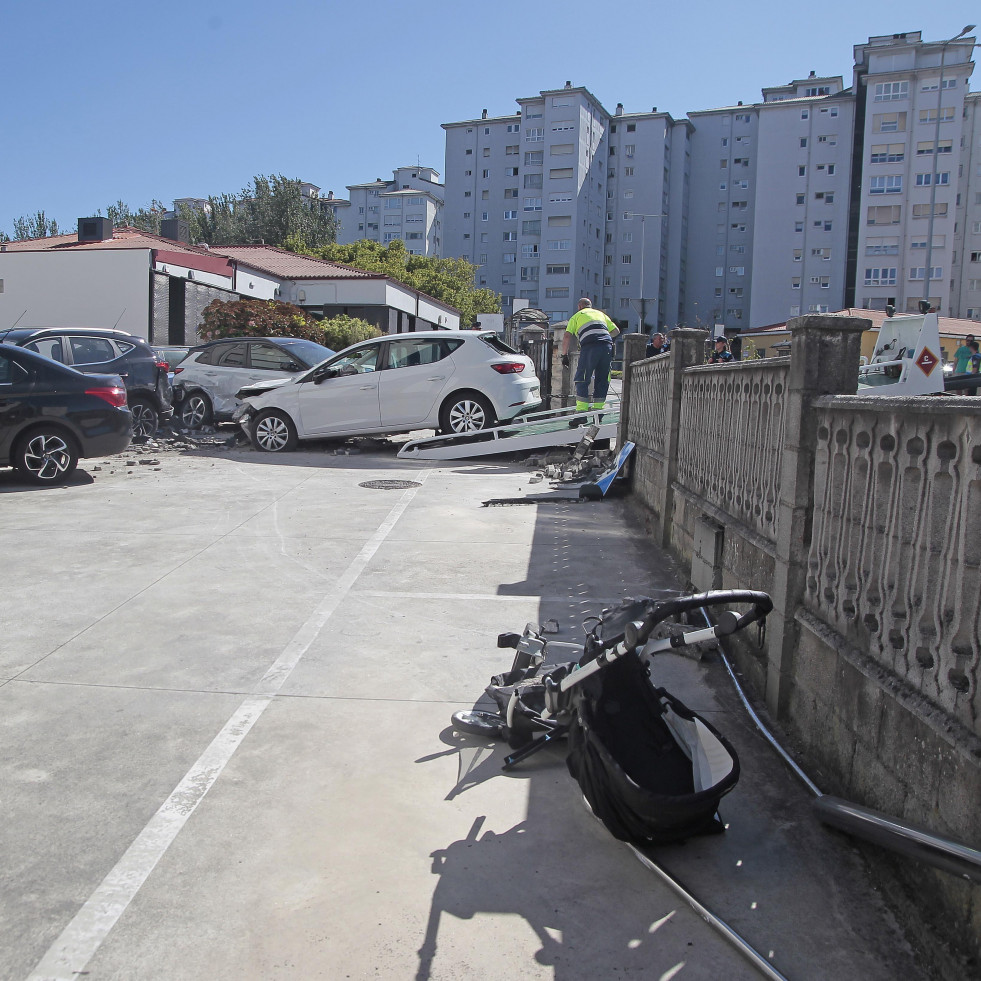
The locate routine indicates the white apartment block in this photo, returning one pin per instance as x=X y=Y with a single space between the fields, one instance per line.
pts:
x=547 y=203
x=916 y=139
x=814 y=199
x=408 y=207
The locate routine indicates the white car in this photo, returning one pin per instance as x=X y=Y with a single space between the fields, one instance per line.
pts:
x=453 y=381
x=207 y=379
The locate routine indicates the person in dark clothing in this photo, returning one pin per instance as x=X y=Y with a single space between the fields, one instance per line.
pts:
x=657 y=344
x=721 y=353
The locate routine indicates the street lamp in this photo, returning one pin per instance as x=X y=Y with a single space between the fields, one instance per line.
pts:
x=643 y=242
x=925 y=302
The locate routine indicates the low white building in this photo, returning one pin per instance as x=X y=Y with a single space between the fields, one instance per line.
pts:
x=157 y=288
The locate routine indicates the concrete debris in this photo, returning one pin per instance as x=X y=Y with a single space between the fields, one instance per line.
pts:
x=536 y=479
x=550 y=627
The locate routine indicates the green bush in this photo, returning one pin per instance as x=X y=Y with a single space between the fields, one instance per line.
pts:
x=342 y=330
x=258 y=318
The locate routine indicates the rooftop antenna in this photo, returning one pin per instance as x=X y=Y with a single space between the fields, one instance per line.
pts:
x=18 y=320
x=120 y=317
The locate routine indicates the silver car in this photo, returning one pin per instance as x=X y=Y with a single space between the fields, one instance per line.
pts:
x=207 y=380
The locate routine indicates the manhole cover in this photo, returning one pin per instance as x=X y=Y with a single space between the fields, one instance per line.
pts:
x=390 y=484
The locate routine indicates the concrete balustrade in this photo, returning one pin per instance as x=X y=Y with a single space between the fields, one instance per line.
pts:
x=862 y=518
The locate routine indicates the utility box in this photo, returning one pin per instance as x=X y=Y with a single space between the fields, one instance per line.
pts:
x=706 y=554
x=96 y=229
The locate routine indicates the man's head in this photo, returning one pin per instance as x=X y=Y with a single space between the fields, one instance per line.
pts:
x=973 y=345
x=969 y=340
x=658 y=338
x=585 y=302
x=720 y=341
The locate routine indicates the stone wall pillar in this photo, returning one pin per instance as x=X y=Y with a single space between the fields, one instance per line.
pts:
x=634 y=349
x=824 y=360
x=687 y=349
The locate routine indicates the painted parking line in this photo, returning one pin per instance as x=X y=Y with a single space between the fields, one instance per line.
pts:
x=78 y=943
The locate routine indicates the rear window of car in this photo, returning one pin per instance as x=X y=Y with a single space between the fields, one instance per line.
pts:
x=232 y=356
x=492 y=340
x=50 y=347
x=308 y=352
x=91 y=350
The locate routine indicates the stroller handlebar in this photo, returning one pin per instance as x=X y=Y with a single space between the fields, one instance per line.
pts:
x=637 y=632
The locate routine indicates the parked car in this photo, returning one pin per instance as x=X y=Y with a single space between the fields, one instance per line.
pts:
x=208 y=379
x=458 y=382
x=51 y=415
x=173 y=355
x=94 y=350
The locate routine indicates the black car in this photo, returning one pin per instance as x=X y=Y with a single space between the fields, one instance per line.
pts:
x=51 y=415
x=95 y=350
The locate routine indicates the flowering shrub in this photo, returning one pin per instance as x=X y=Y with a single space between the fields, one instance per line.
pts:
x=270 y=318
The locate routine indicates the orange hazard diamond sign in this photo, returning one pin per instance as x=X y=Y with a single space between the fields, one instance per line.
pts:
x=927 y=361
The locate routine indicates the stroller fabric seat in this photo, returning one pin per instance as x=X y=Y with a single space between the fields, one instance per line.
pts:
x=651 y=770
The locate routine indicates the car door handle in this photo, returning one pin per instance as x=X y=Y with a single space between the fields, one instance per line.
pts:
x=436 y=378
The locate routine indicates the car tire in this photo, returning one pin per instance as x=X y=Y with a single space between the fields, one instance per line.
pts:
x=465 y=412
x=46 y=455
x=146 y=418
x=196 y=410
x=273 y=432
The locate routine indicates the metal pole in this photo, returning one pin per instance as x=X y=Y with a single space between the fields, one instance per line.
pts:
x=936 y=166
x=643 y=301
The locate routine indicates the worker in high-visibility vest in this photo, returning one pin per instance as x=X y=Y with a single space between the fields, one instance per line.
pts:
x=595 y=332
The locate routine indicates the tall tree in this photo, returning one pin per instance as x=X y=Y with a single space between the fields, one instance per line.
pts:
x=450 y=280
x=34 y=226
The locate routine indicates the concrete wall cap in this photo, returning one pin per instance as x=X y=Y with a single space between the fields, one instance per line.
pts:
x=826 y=322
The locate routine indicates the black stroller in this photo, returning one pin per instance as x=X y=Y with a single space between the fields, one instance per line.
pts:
x=652 y=770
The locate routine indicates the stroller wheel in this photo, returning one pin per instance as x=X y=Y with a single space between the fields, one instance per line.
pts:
x=479 y=723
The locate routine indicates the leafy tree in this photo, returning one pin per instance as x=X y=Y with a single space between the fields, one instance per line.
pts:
x=342 y=331
x=271 y=211
x=450 y=280
x=271 y=318
x=34 y=226
x=146 y=219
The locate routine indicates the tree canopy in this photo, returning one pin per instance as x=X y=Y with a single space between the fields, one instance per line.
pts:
x=271 y=318
x=450 y=280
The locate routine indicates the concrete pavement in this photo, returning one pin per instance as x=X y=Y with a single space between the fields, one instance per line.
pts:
x=225 y=694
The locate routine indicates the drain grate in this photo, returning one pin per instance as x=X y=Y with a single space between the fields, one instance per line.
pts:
x=390 y=484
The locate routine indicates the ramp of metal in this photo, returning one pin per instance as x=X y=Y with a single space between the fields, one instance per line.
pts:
x=554 y=427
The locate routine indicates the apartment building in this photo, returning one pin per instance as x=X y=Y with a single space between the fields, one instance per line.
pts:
x=408 y=207
x=913 y=139
x=965 y=300
x=816 y=198
x=562 y=200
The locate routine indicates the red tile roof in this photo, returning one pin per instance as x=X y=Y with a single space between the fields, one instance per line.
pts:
x=122 y=238
x=949 y=326
x=288 y=265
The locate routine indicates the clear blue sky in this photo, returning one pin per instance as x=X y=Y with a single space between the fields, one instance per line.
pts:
x=107 y=101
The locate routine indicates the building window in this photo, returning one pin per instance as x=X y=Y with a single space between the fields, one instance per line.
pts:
x=628 y=171
x=554 y=292
x=533 y=227
x=884 y=215
x=923 y=210
x=890 y=91
x=508 y=257
x=557 y=173
x=626 y=259
x=889 y=122
x=880 y=277
x=801 y=170
x=535 y=134
x=559 y=244
x=889 y=184
x=795 y=283
x=514 y=127
x=510 y=192
x=508 y=215
x=511 y=151
x=943 y=146
x=510 y=236
x=737 y=270
x=529 y=274
x=814 y=90
x=561 y=149
x=917 y=272
x=925 y=180
x=930 y=115
x=888 y=153
x=532 y=204
x=932 y=86
x=801 y=198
